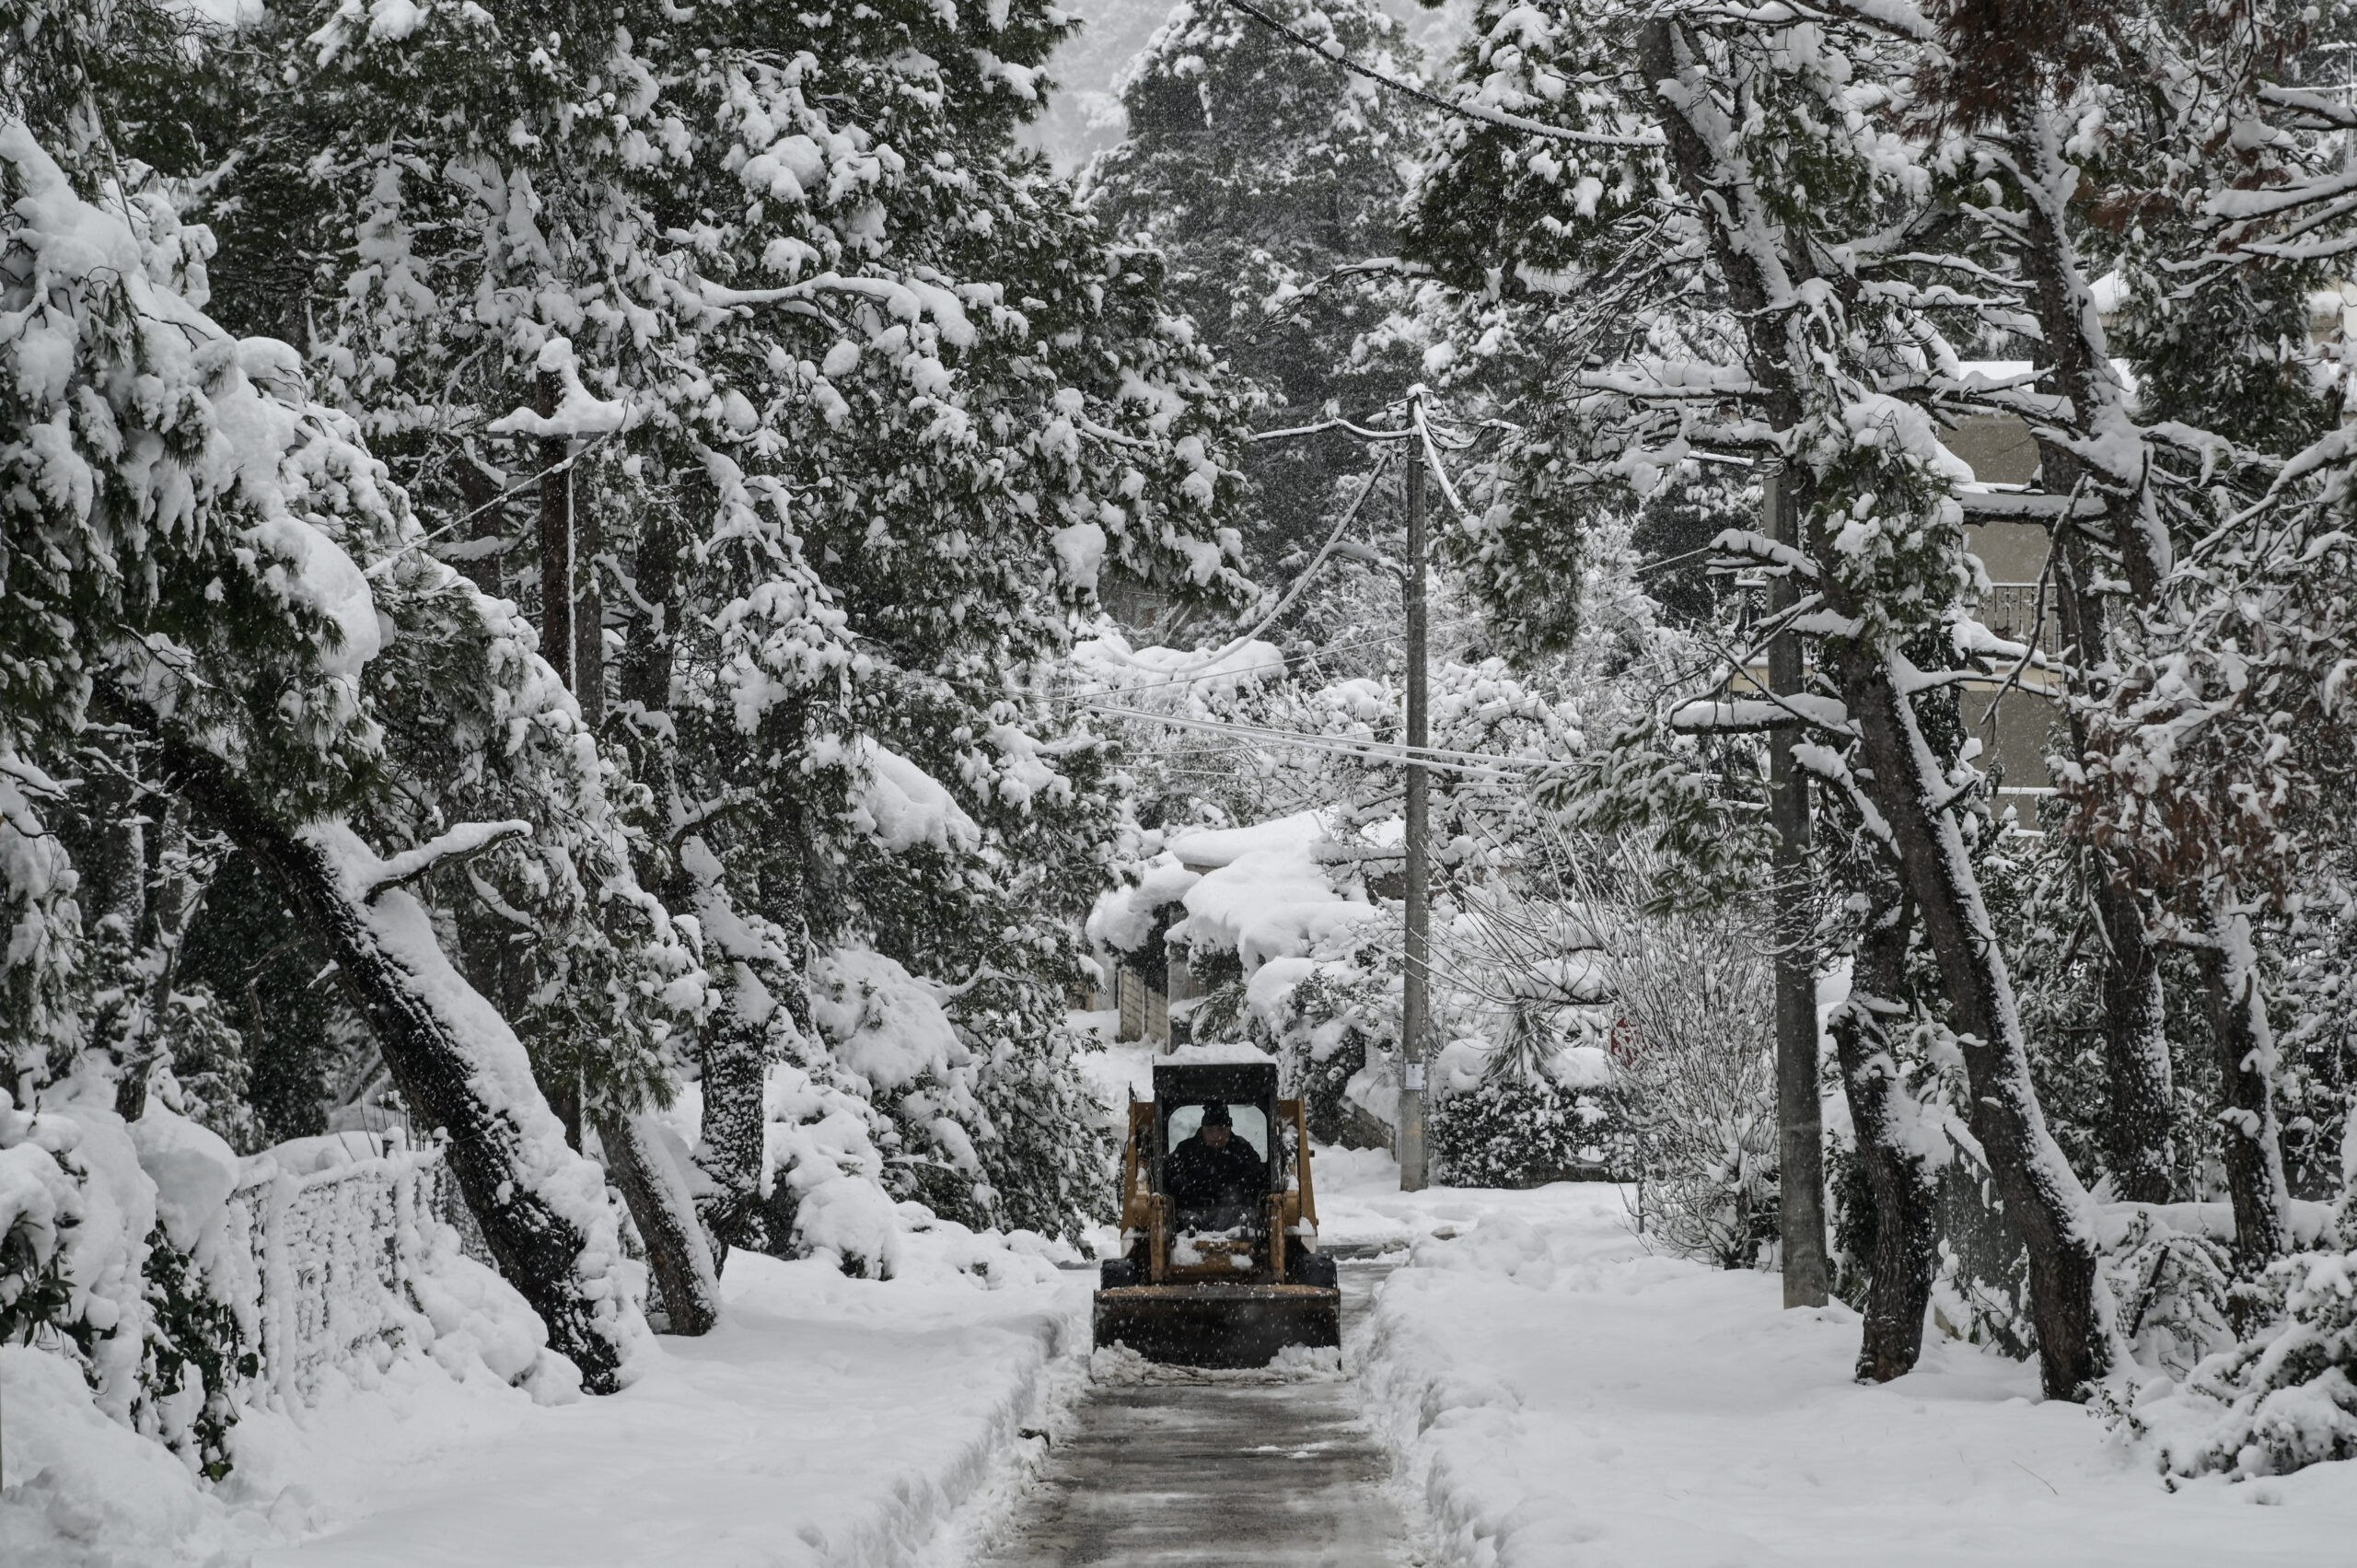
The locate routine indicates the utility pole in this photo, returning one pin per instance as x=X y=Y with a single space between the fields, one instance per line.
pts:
x=1800 y=1209
x=556 y=539
x=1413 y=999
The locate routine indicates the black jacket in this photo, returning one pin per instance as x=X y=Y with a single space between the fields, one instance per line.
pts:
x=1200 y=1177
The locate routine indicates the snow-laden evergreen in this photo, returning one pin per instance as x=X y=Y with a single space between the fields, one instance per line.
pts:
x=608 y=616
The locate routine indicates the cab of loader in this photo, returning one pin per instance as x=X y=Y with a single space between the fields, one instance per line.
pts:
x=1219 y=1264
x=1223 y=1189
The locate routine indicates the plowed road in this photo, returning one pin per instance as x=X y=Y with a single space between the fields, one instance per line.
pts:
x=1170 y=1469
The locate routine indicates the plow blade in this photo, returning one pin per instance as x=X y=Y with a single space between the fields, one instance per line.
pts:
x=1218 y=1325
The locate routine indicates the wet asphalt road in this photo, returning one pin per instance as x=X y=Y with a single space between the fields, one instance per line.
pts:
x=1224 y=1471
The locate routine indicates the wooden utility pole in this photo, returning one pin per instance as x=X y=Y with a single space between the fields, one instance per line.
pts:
x=556 y=539
x=1800 y=1210
x=1414 y=997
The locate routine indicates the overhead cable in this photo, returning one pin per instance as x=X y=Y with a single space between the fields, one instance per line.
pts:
x=1496 y=117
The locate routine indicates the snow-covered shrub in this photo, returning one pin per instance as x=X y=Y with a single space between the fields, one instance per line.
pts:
x=1981 y=1288
x=889 y=1034
x=202 y=1330
x=2174 y=1291
x=199 y=1353
x=2283 y=1399
x=1326 y=1024
x=116 y=1254
x=1516 y=1128
x=1694 y=1066
x=40 y=1204
x=964 y=1099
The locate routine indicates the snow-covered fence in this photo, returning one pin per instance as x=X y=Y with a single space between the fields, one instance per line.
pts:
x=338 y=1249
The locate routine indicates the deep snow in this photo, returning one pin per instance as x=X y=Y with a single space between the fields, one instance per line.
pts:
x=1553 y=1393
x=1560 y=1395
x=826 y=1419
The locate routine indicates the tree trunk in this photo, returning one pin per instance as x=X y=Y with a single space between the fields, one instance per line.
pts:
x=676 y=1247
x=642 y=676
x=1898 y=1171
x=2040 y=1191
x=680 y=1254
x=501 y=1170
x=1800 y=1118
x=2139 y=1132
x=2037 y=1184
x=588 y=622
x=171 y=901
x=2249 y=1142
x=732 y=1151
x=2140 y=1144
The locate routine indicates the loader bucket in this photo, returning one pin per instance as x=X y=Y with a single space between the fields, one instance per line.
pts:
x=1218 y=1325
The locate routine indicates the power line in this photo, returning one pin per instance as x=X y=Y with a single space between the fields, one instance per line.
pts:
x=1495 y=116
x=1471 y=764
x=1300 y=583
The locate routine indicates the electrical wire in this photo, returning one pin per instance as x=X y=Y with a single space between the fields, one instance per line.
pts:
x=1469 y=764
x=1299 y=584
x=1495 y=116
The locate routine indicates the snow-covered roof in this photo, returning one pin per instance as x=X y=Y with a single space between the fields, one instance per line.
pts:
x=1265 y=894
x=1204 y=849
x=1122 y=918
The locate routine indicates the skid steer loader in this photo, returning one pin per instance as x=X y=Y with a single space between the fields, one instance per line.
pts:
x=1226 y=1272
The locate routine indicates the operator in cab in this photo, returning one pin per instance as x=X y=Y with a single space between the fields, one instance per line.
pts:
x=1214 y=1169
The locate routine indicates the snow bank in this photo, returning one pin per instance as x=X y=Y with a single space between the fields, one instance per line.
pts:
x=826 y=1422
x=1559 y=1395
x=79 y=1491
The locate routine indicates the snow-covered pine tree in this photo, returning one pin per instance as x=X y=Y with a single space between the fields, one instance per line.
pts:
x=1700 y=249
x=2015 y=94
x=1266 y=177
x=185 y=545
x=833 y=368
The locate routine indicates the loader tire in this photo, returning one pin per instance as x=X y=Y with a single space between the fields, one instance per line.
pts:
x=1115 y=1273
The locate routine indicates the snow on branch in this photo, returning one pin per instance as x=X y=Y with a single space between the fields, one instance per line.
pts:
x=463 y=843
x=578 y=412
x=2024 y=507
x=1332 y=51
x=1742 y=544
x=2325 y=112
x=901 y=300
x=1751 y=715
x=1898 y=17
x=1670 y=381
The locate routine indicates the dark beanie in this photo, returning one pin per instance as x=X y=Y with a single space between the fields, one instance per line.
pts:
x=1215 y=1114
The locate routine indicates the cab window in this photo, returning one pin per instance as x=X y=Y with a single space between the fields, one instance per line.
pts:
x=1251 y=1125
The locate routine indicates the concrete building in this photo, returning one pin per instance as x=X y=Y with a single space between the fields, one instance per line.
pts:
x=2014 y=737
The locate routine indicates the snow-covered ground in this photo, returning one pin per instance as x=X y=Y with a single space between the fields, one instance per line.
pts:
x=826 y=1421
x=1559 y=1396
x=1555 y=1395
